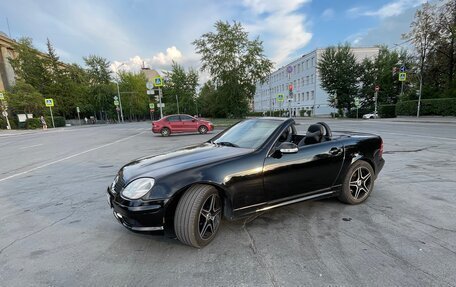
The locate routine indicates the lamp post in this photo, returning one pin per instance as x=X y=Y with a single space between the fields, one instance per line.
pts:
x=419 y=95
x=177 y=100
x=118 y=92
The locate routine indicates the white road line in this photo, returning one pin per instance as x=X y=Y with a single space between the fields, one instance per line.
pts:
x=68 y=157
x=30 y=146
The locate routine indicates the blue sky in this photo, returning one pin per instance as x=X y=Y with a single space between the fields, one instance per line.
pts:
x=158 y=32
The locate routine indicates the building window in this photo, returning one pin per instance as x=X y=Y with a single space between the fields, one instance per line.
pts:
x=313 y=62
x=307 y=80
x=307 y=64
x=312 y=95
x=312 y=78
x=307 y=96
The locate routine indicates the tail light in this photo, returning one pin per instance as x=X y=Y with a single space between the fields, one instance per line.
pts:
x=381 y=148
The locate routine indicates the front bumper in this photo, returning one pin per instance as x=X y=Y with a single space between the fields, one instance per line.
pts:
x=144 y=218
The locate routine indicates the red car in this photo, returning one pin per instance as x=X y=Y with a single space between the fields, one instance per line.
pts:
x=181 y=124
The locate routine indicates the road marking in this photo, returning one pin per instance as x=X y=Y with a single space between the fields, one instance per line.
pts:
x=69 y=157
x=30 y=146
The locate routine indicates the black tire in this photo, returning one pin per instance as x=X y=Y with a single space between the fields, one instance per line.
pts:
x=198 y=215
x=358 y=183
x=165 y=132
x=202 y=129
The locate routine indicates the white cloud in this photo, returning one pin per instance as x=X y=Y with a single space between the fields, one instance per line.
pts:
x=390 y=9
x=283 y=27
x=159 y=61
x=328 y=14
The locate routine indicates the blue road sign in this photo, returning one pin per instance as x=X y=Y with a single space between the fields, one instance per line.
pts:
x=402 y=68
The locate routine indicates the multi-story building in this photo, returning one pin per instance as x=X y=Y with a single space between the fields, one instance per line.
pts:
x=303 y=74
x=7 y=78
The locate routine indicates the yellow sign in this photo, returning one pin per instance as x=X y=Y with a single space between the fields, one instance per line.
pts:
x=402 y=77
x=158 y=82
x=49 y=102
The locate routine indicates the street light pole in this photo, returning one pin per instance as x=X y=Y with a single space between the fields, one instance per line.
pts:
x=120 y=102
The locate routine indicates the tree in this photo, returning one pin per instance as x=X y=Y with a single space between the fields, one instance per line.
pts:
x=422 y=34
x=25 y=99
x=135 y=101
x=183 y=85
x=339 y=74
x=29 y=65
x=207 y=101
x=101 y=89
x=235 y=64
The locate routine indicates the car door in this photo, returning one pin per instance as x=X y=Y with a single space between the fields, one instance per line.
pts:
x=175 y=124
x=313 y=168
x=189 y=123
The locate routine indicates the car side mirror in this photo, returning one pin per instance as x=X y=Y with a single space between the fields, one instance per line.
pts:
x=288 y=147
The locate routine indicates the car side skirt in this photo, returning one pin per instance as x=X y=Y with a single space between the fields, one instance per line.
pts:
x=319 y=194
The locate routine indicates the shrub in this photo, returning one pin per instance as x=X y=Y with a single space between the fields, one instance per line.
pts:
x=387 y=111
x=31 y=124
x=58 y=121
x=440 y=107
x=302 y=113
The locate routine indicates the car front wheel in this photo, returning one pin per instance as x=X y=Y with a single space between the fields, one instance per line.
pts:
x=198 y=215
x=358 y=183
x=202 y=129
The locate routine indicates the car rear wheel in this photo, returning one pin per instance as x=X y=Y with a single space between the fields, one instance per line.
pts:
x=358 y=183
x=198 y=216
x=202 y=129
x=165 y=132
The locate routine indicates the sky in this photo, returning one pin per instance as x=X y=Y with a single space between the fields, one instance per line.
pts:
x=132 y=32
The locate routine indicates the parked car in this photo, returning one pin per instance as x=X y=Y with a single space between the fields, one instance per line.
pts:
x=372 y=115
x=256 y=165
x=181 y=124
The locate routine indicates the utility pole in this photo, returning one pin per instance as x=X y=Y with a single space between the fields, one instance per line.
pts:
x=120 y=102
x=160 y=101
x=419 y=96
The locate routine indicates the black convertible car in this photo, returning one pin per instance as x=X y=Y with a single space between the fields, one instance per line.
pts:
x=253 y=166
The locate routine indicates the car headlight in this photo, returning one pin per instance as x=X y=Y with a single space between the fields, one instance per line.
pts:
x=138 y=188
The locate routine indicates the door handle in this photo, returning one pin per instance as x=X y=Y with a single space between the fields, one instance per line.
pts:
x=335 y=151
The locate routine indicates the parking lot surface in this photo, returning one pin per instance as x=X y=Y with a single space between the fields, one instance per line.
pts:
x=56 y=228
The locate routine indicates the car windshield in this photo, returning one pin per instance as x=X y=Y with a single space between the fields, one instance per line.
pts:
x=248 y=134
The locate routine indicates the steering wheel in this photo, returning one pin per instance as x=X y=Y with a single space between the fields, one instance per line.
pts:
x=328 y=132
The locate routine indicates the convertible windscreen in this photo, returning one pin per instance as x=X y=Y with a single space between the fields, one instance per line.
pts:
x=248 y=134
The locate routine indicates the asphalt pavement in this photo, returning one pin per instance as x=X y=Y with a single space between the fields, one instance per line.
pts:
x=56 y=228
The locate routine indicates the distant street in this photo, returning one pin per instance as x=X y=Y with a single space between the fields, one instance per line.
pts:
x=56 y=228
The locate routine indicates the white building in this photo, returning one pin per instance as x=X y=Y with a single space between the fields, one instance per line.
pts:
x=307 y=91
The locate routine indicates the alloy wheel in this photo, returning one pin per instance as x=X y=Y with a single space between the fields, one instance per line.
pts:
x=360 y=183
x=210 y=216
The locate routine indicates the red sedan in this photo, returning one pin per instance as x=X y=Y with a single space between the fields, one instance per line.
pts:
x=180 y=124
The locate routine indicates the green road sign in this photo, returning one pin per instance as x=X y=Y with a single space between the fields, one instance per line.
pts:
x=158 y=81
x=2 y=97
x=402 y=77
x=49 y=102
x=151 y=106
x=280 y=97
x=357 y=103
x=116 y=103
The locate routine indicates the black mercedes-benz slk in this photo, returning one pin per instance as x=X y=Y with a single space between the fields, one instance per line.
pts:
x=255 y=165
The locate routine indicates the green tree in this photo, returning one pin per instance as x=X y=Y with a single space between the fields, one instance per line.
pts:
x=101 y=90
x=135 y=101
x=339 y=74
x=208 y=101
x=183 y=85
x=25 y=99
x=29 y=65
x=235 y=64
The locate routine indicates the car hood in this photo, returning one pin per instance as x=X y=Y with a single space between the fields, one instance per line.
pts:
x=179 y=160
